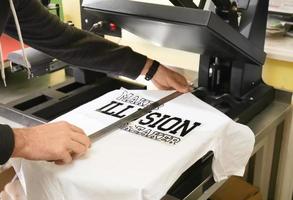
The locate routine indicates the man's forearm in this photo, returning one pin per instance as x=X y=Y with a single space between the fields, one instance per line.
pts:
x=19 y=142
x=45 y=32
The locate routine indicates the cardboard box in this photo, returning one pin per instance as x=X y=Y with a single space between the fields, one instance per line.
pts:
x=235 y=188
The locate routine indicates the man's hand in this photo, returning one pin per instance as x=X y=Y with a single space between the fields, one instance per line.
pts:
x=166 y=79
x=60 y=142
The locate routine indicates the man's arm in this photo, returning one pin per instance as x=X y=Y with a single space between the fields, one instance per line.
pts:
x=45 y=32
x=60 y=142
x=6 y=143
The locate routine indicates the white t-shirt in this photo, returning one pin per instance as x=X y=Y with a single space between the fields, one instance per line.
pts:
x=142 y=161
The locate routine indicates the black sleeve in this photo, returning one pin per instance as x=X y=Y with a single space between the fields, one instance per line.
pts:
x=45 y=32
x=6 y=143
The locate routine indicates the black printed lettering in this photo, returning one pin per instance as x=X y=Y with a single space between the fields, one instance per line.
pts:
x=111 y=106
x=125 y=96
x=150 y=118
x=119 y=114
x=169 y=124
x=159 y=121
x=143 y=102
x=133 y=99
x=115 y=109
x=185 y=128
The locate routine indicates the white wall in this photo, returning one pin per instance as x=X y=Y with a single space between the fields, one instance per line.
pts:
x=71 y=10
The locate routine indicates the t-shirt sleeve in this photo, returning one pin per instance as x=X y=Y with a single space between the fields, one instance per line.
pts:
x=233 y=151
x=6 y=143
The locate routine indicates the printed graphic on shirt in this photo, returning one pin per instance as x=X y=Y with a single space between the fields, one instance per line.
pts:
x=134 y=99
x=154 y=125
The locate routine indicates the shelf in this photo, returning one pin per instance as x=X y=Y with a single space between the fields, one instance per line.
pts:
x=279 y=48
x=286 y=11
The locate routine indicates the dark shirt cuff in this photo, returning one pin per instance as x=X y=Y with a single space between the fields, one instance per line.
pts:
x=6 y=143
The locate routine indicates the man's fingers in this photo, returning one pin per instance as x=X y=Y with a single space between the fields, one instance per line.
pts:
x=77 y=149
x=80 y=138
x=76 y=129
x=179 y=86
x=179 y=83
x=86 y=140
x=160 y=86
x=166 y=79
x=59 y=162
x=66 y=158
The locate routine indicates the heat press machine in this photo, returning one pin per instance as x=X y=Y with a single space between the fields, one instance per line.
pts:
x=230 y=39
x=229 y=36
x=40 y=63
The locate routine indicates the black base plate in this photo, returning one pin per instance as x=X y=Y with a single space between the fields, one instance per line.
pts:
x=56 y=101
